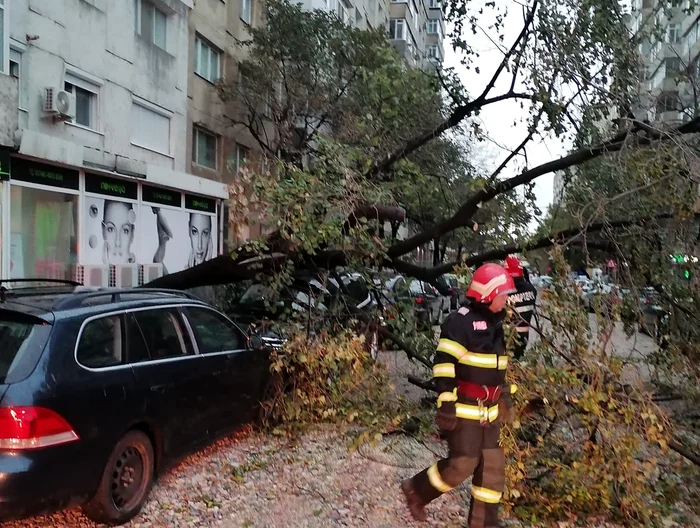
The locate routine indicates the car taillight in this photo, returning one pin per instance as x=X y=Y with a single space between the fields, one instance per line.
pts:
x=32 y=428
x=419 y=300
x=452 y=291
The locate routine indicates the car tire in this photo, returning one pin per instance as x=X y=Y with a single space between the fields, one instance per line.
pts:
x=439 y=317
x=131 y=463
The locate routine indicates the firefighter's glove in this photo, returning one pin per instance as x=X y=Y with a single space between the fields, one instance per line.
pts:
x=446 y=419
x=506 y=410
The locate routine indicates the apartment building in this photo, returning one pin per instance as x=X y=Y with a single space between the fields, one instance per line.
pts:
x=670 y=69
x=362 y=14
x=94 y=167
x=417 y=30
x=217 y=148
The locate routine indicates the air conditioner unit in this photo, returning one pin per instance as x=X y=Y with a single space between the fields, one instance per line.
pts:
x=59 y=103
x=150 y=272
x=124 y=276
x=90 y=275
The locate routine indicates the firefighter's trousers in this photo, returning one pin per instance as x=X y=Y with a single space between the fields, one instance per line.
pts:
x=473 y=450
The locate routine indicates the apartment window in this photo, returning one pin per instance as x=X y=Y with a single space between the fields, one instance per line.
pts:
x=204 y=148
x=433 y=27
x=151 y=23
x=673 y=66
x=207 y=60
x=434 y=4
x=397 y=29
x=4 y=35
x=247 y=11
x=673 y=33
x=410 y=51
x=86 y=97
x=667 y=102
x=433 y=51
x=241 y=159
x=343 y=14
x=150 y=126
x=414 y=15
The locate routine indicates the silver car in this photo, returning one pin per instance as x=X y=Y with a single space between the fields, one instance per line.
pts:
x=428 y=304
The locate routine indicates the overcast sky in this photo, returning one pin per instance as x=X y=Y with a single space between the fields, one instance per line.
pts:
x=498 y=120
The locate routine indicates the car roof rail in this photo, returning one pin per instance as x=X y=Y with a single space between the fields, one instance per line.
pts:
x=39 y=279
x=45 y=283
x=118 y=295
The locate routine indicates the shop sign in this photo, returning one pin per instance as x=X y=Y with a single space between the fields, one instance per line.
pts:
x=43 y=174
x=107 y=186
x=160 y=196
x=198 y=203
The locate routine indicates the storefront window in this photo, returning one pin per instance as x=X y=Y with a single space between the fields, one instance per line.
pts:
x=43 y=234
x=2 y=242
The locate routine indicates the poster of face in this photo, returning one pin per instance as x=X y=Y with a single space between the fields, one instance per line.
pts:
x=110 y=231
x=176 y=238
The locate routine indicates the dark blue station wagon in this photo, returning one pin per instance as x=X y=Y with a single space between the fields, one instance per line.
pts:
x=102 y=389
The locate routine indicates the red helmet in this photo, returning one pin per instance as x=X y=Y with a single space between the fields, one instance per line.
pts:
x=489 y=281
x=514 y=266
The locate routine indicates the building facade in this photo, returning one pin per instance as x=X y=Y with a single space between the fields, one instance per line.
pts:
x=362 y=14
x=93 y=146
x=670 y=65
x=417 y=30
x=216 y=148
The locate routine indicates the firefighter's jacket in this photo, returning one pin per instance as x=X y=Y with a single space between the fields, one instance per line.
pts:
x=523 y=301
x=472 y=352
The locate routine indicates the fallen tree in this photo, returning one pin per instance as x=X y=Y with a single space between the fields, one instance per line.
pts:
x=350 y=126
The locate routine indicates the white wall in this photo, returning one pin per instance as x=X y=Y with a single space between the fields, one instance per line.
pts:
x=98 y=37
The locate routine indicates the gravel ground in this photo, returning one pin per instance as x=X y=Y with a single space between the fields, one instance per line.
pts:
x=255 y=481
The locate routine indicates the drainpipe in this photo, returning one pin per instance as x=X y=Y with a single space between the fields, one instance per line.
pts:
x=221 y=227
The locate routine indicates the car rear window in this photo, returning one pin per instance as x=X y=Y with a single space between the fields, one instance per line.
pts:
x=16 y=334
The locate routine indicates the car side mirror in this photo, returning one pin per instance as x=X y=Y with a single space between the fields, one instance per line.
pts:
x=255 y=342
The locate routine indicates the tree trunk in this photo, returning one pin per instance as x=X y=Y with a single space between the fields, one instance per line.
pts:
x=395 y=231
x=443 y=250
x=436 y=252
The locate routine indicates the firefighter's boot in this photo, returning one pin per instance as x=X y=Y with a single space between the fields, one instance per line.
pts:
x=413 y=501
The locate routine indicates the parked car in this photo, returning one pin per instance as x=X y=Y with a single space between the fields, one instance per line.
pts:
x=427 y=302
x=601 y=295
x=100 y=390
x=653 y=315
x=326 y=297
x=542 y=282
x=458 y=289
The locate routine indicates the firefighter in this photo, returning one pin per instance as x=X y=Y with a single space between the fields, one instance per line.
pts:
x=523 y=302
x=469 y=372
